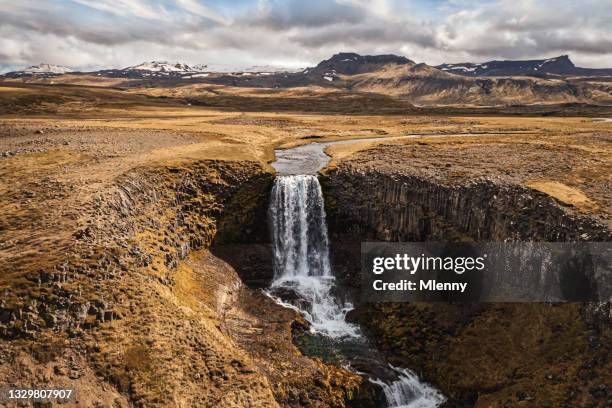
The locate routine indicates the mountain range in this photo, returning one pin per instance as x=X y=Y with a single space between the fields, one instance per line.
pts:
x=422 y=84
x=343 y=63
x=547 y=81
x=150 y=69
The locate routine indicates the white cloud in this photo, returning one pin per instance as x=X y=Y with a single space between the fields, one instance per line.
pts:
x=105 y=33
x=197 y=8
x=138 y=8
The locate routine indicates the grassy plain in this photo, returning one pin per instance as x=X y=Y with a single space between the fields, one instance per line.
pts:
x=63 y=146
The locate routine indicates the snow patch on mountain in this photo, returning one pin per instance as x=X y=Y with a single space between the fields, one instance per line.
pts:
x=43 y=68
x=165 y=67
x=255 y=69
x=460 y=68
x=162 y=66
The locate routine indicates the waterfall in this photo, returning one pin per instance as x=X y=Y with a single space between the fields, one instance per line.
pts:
x=303 y=279
x=299 y=231
x=301 y=255
x=409 y=392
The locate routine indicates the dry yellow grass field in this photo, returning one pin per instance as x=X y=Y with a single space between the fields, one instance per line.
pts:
x=123 y=163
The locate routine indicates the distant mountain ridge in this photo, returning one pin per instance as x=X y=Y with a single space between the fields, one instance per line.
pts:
x=153 y=69
x=42 y=69
x=423 y=84
x=350 y=63
x=560 y=66
x=344 y=63
x=549 y=81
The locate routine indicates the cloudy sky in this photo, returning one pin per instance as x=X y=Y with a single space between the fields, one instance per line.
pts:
x=93 y=34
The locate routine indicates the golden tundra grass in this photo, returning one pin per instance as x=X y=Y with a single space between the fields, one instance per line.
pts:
x=79 y=140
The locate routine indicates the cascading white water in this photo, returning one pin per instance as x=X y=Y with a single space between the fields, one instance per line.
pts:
x=408 y=392
x=301 y=266
x=299 y=231
x=301 y=254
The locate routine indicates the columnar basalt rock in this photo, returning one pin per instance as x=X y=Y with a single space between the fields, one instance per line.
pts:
x=150 y=218
x=152 y=313
x=404 y=207
x=471 y=352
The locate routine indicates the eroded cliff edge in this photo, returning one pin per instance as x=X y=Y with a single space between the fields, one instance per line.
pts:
x=127 y=305
x=487 y=355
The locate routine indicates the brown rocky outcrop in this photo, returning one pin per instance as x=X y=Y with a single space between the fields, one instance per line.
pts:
x=487 y=355
x=149 y=314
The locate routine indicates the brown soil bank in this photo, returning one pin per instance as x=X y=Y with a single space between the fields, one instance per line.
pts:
x=489 y=355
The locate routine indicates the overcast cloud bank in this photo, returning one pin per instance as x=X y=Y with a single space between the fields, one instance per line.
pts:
x=94 y=34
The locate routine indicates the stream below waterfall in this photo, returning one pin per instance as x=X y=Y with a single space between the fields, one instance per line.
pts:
x=304 y=280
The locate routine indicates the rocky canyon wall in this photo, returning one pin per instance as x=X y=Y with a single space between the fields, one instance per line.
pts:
x=483 y=355
x=401 y=207
x=139 y=312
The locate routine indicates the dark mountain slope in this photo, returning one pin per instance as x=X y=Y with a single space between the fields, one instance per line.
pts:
x=558 y=66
